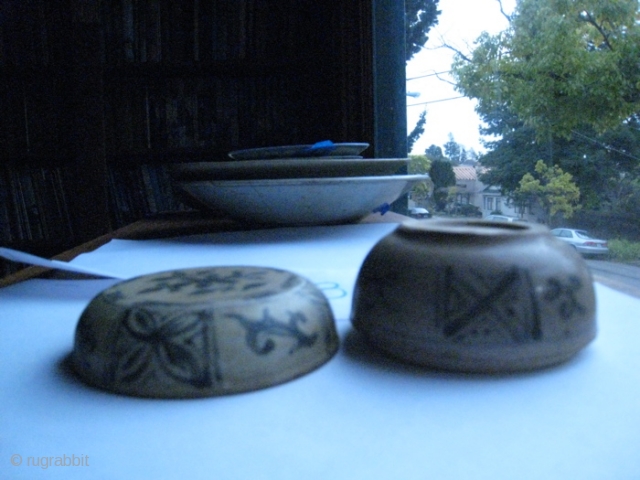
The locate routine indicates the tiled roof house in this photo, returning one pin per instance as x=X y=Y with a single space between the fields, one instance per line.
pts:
x=470 y=190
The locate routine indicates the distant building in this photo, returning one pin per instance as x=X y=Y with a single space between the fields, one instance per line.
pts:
x=469 y=190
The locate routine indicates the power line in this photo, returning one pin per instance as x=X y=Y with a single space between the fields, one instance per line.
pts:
x=608 y=148
x=428 y=75
x=436 y=101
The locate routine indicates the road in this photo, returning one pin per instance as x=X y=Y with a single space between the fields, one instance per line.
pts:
x=619 y=276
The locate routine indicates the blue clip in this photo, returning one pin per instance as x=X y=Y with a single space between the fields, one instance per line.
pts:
x=384 y=208
x=321 y=148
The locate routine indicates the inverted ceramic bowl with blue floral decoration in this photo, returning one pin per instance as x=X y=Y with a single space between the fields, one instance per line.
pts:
x=203 y=332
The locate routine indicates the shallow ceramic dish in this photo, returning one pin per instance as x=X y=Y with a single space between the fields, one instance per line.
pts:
x=301 y=201
x=292 y=151
x=288 y=168
x=475 y=296
x=203 y=332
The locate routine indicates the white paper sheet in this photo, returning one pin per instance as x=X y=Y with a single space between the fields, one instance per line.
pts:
x=361 y=416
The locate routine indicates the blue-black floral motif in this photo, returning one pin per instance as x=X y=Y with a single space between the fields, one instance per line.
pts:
x=259 y=332
x=476 y=303
x=205 y=282
x=175 y=345
x=564 y=294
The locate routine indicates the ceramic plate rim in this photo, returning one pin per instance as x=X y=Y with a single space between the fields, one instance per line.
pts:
x=299 y=163
x=306 y=181
x=298 y=151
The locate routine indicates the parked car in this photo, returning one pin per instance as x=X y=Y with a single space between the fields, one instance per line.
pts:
x=419 y=212
x=582 y=241
x=502 y=218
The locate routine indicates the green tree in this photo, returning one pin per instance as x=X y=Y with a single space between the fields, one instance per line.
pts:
x=417 y=131
x=434 y=152
x=554 y=190
x=420 y=164
x=595 y=161
x=453 y=150
x=559 y=65
x=625 y=194
x=420 y=15
x=443 y=177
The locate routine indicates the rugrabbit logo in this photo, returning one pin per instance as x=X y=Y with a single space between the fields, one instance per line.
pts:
x=50 y=461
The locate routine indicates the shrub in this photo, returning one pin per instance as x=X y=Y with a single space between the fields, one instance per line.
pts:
x=624 y=250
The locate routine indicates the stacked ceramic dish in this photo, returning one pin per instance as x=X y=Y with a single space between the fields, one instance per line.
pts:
x=323 y=183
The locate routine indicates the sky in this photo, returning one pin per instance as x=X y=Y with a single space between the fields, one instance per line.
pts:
x=459 y=24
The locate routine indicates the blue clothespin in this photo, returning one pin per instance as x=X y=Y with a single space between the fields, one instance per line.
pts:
x=384 y=208
x=319 y=149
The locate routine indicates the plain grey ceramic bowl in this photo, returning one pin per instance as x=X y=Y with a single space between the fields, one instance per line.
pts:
x=301 y=201
x=204 y=332
x=475 y=296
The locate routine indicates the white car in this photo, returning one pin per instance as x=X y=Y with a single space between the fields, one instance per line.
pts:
x=501 y=218
x=582 y=241
x=419 y=212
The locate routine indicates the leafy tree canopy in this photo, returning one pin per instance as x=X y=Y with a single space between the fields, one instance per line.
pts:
x=417 y=131
x=420 y=164
x=441 y=173
x=597 y=162
x=451 y=149
x=560 y=65
x=553 y=188
x=434 y=152
x=454 y=151
x=442 y=176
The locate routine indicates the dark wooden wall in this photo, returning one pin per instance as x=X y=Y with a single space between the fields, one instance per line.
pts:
x=97 y=97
